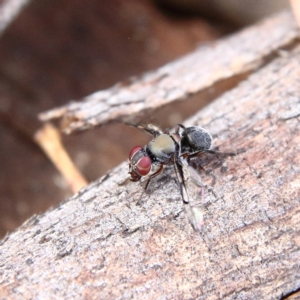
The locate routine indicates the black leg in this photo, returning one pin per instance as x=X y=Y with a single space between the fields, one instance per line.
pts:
x=154 y=175
x=221 y=153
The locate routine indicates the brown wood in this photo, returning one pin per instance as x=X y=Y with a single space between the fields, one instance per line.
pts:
x=49 y=139
x=200 y=70
x=58 y=50
x=113 y=241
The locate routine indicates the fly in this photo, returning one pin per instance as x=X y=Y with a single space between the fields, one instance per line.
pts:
x=173 y=149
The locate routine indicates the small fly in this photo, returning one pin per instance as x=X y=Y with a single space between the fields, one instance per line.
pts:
x=173 y=149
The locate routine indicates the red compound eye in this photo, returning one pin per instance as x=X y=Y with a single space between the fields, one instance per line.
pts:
x=144 y=165
x=134 y=151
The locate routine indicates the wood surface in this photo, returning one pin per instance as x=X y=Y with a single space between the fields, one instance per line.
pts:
x=112 y=240
x=211 y=63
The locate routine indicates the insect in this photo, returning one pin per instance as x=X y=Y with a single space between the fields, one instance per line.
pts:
x=172 y=149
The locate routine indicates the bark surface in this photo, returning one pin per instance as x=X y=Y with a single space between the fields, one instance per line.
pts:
x=211 y=63
x=114 y=241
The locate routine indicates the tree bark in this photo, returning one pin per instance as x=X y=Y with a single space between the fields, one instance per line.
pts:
x=234 y=56
x=114 y=241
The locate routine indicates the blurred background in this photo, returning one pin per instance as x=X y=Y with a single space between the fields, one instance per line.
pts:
x=56 y=51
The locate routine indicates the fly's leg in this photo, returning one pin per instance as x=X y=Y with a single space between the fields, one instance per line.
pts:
x=149 y=128
x=215 y=152
x=154 y=175
x=148 y=181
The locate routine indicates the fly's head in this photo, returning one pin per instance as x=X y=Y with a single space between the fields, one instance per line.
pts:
x=139 y=163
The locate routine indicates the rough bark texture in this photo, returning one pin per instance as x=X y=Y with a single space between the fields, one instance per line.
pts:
x=195 y=72
x=57 y=50
x=112 y=241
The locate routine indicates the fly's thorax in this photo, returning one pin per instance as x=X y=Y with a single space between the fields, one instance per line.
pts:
x=161 y=148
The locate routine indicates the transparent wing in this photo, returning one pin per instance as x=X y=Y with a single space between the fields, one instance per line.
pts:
x=185 y=173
